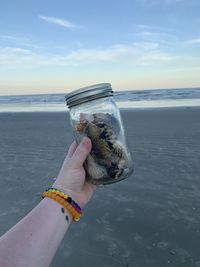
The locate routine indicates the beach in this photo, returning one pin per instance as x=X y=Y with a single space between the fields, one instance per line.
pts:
x=150 y=219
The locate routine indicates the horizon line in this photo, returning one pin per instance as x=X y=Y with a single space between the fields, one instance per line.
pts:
x=128 y=90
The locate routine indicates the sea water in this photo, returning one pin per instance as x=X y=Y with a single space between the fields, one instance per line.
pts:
x=157 y=98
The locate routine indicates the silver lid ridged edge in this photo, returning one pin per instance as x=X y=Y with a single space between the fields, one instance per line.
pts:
x=88 y=93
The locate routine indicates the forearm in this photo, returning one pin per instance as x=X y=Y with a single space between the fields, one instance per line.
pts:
x=35 y=239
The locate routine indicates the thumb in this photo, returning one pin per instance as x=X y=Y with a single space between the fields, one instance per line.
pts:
x=81 y=153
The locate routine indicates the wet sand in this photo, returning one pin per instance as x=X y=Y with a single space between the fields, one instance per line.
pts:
x=150 y=219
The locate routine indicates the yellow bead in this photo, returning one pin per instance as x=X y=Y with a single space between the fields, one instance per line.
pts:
x=62 y=201
x=70 y=209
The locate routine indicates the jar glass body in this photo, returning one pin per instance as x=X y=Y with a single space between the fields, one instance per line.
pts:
x=110 y=159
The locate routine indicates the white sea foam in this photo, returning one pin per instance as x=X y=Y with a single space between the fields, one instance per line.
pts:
x=59 y=107
x=129 y=99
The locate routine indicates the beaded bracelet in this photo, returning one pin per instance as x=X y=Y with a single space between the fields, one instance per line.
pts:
x=66 y=201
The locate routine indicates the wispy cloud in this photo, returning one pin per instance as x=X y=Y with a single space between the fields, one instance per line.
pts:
x=17 y=40
x=138 y=53
x=14 y=51
x=59 y=22
x=158 y=2
x=158 y=36
x=153 y=34
x=146 y=27
x=194 y=41
x=8 y=38
x=15 y=56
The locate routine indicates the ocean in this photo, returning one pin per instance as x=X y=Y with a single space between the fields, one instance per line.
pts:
x=157 y=98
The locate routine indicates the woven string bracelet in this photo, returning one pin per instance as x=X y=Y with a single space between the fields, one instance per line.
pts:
x=67 y=202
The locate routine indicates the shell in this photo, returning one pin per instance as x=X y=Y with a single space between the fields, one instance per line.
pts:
x=108 y=120
x=92 y=131
x=94 y=170
x=108 y=157
x=118 y=149
x=81 y=126
x=102 y=150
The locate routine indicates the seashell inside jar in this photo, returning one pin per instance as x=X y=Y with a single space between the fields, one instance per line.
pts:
x=94 y=114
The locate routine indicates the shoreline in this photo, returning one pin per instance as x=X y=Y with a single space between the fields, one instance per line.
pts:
x=126 y=104
x=129 y=109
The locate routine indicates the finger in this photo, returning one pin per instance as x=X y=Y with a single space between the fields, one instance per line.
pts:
x=81 y=152
x=71 y=150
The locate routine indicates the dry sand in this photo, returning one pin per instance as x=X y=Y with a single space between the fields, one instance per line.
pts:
x=151 y=219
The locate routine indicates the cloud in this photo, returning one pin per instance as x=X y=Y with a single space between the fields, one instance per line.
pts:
x=158 y=2
x=156 y=57
x=147 y=33
x=59 y=22
x=159 y=37
x=8 y=38
x=194 y=41
x=146 y=27
x=15 y=56
x=14 y=51
x=138 y=53
x=154 y=34
x=16 y=40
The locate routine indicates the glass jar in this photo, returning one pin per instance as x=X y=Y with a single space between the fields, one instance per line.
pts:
x=94 y=113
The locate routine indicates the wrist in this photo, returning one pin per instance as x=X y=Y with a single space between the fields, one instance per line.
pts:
x=71 y=193
x=65 y=200
x=52 y=204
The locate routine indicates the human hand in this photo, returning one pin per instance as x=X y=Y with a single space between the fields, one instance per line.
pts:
x=71 y=178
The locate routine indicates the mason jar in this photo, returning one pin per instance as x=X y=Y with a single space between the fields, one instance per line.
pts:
x=94 y=113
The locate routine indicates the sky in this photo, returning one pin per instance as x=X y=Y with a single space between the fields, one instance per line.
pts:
x=57 y=46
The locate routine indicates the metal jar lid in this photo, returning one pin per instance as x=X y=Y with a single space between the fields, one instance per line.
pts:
x=88 y=93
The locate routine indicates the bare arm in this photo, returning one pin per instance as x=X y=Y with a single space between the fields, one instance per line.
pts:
x=34 y=240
